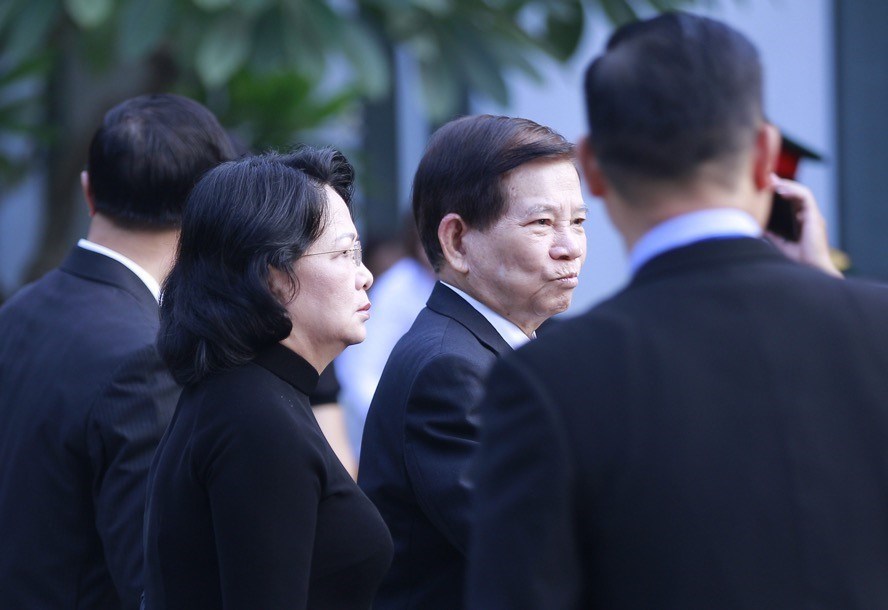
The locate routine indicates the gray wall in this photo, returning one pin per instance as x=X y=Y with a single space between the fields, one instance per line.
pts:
x=862 y=153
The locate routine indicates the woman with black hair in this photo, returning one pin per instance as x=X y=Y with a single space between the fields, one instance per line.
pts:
x=248 y=507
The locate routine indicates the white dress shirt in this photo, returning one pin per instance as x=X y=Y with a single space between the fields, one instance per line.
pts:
x=688 y=228
x=513 y=335
x=152 y=284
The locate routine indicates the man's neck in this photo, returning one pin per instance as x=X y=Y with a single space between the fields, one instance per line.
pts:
x=456 y=280
x=153 y=250
x=635 y=219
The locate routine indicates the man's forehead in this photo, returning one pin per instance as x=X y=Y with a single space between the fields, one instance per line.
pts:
x=523 y=207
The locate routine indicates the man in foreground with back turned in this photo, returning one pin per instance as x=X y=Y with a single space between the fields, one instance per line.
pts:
x=716 y=434
x=84 y=396
x=500 y=214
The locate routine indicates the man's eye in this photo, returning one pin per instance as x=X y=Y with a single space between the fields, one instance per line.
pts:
x=543 y=222
x=579 y=221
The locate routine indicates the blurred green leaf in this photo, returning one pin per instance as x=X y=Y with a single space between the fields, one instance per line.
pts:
x=212 y=5
x=88 y=13
x=303 y=44
x=482 y=70
x=95 y=47
x=271 y=108
x=439 y=89
x=142 y=26
x=34 y=66
x=269 y=44
x=564 y=29
x=253 y=7
x=369 y=60
x=439 y=8
x=223 y=50
x=619 y=12
x=28 y=33
x=7 y=10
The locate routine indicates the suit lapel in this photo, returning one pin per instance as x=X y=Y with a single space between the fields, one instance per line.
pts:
x=447 y=303
x=97 y=267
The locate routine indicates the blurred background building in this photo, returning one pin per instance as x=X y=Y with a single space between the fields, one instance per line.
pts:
x=375 y=77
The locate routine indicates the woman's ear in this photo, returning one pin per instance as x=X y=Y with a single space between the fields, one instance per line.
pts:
x=281 y=285
x=451 y=233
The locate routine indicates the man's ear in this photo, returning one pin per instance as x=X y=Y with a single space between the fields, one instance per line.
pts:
x=767 y=148
x=88 y=193
x=591 y=170
x=451 y=233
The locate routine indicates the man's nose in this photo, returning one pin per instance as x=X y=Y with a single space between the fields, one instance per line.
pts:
x=569 y=243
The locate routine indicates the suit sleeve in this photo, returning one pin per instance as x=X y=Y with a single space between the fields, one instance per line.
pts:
x=440 y=439
x=523 y=553
x=124 y=428
x=264 y=474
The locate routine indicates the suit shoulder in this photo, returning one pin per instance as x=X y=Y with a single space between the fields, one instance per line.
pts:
x=433 y=335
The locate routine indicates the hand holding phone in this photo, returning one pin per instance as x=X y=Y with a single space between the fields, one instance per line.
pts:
x=797 y=228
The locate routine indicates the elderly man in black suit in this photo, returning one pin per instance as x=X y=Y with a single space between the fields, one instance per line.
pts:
x=500 y=213
x=84 y=396
x=716 y=434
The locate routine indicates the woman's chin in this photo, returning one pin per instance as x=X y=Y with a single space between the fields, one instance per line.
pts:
x=357 y=337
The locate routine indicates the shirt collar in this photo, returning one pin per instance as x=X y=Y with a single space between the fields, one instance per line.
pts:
x=152 y=284
x=689 y=228
x=512 y=335
x=289 y=366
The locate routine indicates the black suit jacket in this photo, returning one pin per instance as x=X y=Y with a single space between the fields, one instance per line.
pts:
x=417 y=442
x=84 y=400
x=714 y=436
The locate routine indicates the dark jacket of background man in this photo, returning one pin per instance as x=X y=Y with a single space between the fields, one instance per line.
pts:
x=716 y=434
x=84 y=397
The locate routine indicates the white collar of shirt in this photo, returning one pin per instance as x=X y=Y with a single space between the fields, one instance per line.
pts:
x=512 y=335
x=689 y=228
x=152 y=284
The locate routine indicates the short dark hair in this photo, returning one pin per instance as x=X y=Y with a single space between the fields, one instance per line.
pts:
x=669 y=94
x=463 y=167
x=243 y=218
x=147 y=155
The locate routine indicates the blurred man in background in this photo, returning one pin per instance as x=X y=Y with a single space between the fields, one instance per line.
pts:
x=84 y=396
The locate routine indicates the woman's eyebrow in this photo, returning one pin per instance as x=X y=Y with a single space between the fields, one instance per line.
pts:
x=350 y=236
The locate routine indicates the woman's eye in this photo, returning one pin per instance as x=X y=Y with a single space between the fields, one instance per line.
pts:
x=579 y=221
x=543 y=222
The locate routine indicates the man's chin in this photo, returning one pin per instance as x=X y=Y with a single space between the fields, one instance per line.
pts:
x=556 y=307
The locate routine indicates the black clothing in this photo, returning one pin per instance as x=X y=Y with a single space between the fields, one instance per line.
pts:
x=84 y=400
x=327 y=389
x=419 y=436
x=714 y=436
x=248 y=507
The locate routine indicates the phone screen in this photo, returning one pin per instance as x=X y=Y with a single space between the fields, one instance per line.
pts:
x=783 y=221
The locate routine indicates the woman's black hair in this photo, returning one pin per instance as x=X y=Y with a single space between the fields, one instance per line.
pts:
x=242 y=219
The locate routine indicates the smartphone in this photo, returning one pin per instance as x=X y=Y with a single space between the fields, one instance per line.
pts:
x=783 y=220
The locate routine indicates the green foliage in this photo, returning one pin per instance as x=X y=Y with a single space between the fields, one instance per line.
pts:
x=265 y=107
x=261 y=63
